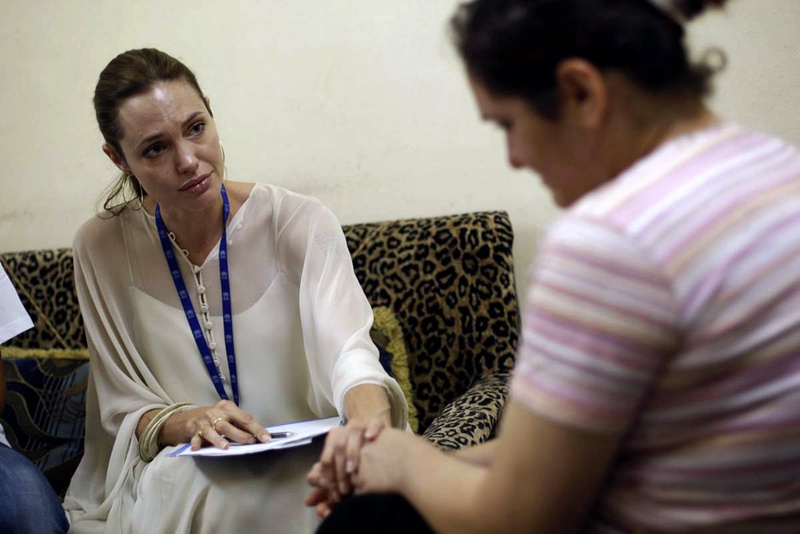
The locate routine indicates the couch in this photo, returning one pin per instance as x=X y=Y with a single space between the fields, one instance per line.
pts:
x=444 y=287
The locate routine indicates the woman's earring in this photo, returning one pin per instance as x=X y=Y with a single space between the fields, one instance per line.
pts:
x=224 y=171
x=134 y=184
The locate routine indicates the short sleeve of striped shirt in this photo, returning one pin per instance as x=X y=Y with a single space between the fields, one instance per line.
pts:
x=598 y=326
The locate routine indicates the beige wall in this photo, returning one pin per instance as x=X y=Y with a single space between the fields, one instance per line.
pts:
x=359 y=102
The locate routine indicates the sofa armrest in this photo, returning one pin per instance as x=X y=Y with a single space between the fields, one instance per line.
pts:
x=471 y=418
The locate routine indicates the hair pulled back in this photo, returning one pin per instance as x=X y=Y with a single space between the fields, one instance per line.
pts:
x=130 y=74
x=514 y=46
x=692 y=8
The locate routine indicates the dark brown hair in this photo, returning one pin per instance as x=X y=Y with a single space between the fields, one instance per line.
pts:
x=514 y=46
x=130 y=74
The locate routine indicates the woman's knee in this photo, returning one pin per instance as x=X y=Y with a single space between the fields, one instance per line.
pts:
x=385 y=513
x=29 y=502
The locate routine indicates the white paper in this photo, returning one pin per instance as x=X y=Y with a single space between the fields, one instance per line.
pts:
x=302 y=432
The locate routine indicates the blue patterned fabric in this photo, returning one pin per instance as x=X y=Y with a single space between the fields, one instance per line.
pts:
x=44 y=415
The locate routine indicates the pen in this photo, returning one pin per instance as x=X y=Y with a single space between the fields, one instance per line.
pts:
x=280 y=435
x=273 y=435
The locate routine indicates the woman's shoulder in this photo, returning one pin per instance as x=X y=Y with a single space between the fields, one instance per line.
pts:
x=101 y=232
x=279 y=192
x=281 y=201
x=289 y=213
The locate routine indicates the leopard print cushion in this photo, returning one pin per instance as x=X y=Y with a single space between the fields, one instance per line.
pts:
x=45 y=283
x=450 y=282
x=472 y=417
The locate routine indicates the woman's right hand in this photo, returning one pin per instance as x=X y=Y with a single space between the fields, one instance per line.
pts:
x=216 y=425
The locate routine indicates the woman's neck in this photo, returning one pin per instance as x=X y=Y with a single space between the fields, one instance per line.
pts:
x=650 y=121
x=683 y=122
x=195 y=232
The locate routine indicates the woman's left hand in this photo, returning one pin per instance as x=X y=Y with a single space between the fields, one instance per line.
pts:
x=369 y=412
x=386 y=460
x=319 y=497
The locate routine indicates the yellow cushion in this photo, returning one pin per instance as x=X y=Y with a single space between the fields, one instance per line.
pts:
x=388 y=335
x=50 y=354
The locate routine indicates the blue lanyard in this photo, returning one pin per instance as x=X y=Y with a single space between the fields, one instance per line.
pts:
x=188 y=308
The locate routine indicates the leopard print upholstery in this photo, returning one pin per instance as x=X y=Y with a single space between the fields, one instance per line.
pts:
x=449 y=280
x=471 y=418
x=45 y=283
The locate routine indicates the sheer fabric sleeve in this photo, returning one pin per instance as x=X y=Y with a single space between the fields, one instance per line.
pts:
x=123 y=382
x=120 y=389
x=335 y=314
x=598 y=327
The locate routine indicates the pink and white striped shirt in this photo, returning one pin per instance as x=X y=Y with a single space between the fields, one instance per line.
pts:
x=666 y=304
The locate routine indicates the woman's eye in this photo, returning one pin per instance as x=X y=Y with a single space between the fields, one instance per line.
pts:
x=153 y=150
x=197 y=128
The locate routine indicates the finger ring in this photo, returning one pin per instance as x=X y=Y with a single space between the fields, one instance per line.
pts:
x=217 y=420
x=200 y=433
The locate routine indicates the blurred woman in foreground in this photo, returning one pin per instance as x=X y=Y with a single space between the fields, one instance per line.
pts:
x=658 y=379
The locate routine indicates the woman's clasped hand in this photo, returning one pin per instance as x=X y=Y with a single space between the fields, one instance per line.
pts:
x=335 y=475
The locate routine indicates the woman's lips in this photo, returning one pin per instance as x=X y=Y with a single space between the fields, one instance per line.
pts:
x=198 y=184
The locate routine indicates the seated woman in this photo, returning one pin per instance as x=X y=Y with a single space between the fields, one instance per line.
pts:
x=211 y=309
x=27 y=500
x=658 y=379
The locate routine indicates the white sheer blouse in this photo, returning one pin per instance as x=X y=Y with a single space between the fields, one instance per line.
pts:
x=301 y=331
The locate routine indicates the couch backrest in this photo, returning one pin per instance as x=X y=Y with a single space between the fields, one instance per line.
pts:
x=449 y=280
x=45 y=282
